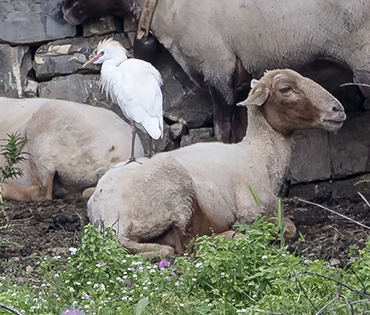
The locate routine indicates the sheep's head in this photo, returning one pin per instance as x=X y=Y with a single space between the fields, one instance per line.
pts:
x=290 y=101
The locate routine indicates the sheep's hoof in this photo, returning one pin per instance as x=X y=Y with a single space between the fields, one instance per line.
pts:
x=88 y=192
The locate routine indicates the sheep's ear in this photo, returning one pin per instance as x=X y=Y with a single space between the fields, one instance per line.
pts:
x=257 y=96
x=254 y=83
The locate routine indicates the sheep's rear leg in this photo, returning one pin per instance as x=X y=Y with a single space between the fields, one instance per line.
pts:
x=148 y=249
x=36 y=192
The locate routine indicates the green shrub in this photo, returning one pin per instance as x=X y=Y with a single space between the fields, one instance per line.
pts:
x=251 y=274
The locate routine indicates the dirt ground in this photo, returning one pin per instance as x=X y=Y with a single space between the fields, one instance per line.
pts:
x=53 y=226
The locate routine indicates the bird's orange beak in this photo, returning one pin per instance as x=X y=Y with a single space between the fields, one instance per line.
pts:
x=93 y=59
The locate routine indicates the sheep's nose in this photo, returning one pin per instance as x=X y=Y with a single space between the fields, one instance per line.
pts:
x=338 y=108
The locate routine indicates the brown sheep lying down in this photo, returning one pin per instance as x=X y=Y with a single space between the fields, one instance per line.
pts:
x=71 y=145
x=166 y=201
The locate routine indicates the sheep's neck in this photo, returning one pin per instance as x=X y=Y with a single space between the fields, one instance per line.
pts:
x=272 y=147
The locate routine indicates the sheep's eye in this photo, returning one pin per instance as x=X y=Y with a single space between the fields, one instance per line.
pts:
x=285 y=89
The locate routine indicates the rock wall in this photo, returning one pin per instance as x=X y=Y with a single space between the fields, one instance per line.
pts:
x=42 y=56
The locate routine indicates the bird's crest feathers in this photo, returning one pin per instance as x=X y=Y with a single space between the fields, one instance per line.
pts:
x=110 y=42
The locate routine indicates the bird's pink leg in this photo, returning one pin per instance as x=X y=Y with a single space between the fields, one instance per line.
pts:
x=150 y=147
x=133 y=134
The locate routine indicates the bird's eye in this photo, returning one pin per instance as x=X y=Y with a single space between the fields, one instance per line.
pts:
x=285 y=89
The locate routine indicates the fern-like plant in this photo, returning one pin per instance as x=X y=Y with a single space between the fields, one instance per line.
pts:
x=13 y=154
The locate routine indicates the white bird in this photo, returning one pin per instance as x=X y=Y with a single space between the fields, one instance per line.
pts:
x=134 y=85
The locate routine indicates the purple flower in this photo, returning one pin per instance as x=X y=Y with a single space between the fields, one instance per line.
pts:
x=127 y=283
x=163 y=264
x=70 y=311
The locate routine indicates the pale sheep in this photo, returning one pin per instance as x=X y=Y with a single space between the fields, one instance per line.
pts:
x=223 y=44
x=70 y=146
x=205 y=187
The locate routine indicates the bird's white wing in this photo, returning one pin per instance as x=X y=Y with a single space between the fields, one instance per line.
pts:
x=135 y=86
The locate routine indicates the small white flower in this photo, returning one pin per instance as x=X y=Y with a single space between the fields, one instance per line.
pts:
x=264 y=257
x=73 y=250
x=197 y=265
x=152 y=271
x=102 y=287
x=194 y=279
x=209 y=304
x=181 y=304
x=241 y=311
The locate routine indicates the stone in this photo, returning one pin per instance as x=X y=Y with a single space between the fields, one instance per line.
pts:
x=27 y=21
x=15 y=66
x=183 y=99
x=198 y=135
x=77 y=88
x=31 y=89
x=130 y=24
x=63 y=57
x=105 y=25
x=344 y=188
x=334 y=262
x=349 y=152
x=311 y=157
x=177 y=130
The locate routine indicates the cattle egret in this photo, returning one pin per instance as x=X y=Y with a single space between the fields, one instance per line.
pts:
x=134 y=85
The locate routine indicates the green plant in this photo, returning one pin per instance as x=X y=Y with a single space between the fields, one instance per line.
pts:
x=252 y=274
x=255 y=196
x=13 y=154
